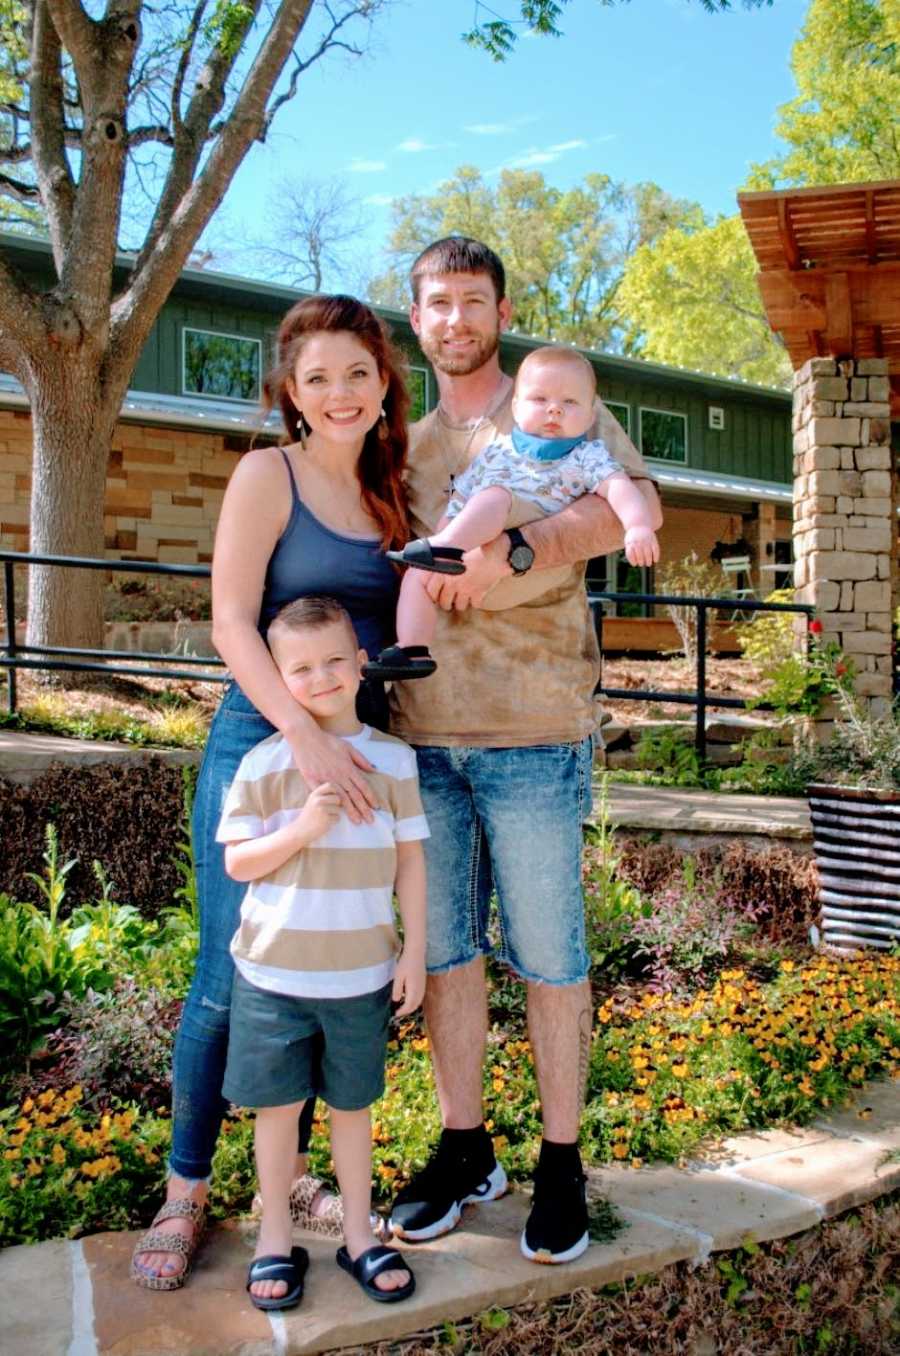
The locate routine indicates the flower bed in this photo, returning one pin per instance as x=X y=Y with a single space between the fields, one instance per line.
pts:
x=701 y=1030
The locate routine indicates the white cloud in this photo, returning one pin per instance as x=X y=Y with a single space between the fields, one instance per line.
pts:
x=489 y=129
x=413 y=144
x=366 y=166
x=378 y=200
x=544 y=156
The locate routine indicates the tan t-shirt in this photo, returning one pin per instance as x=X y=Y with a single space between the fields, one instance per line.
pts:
x=521 y=676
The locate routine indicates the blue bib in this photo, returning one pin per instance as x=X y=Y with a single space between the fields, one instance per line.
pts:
x=543 y=449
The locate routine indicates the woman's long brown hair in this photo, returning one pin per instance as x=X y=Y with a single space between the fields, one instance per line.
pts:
x=382 y=461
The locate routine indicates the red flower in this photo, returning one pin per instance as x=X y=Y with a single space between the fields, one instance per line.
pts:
x=816 y=627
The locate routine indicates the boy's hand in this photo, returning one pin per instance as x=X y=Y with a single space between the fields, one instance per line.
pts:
x=641 y=546
x=321 y=810
x=409 y=984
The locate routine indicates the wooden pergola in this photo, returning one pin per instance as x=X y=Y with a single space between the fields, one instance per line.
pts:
x=829 y=262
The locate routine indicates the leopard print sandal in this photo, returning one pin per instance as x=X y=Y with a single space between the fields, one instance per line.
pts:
x=155 y=1240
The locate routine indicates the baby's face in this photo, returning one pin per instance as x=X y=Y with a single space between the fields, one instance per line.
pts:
x=553 y=399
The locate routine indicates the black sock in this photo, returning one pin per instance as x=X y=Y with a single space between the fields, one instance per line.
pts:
x=466 y=1141
x=560 y=1159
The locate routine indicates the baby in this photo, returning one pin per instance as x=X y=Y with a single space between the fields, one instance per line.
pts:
x=544 y=464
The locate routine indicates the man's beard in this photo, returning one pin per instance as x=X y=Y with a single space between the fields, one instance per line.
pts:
x=482 y=350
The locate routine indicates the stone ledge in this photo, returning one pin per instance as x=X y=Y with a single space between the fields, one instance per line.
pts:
x=768 y=1184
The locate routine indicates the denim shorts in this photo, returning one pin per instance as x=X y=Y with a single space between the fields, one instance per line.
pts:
x=282 y=1049
x=511 y=820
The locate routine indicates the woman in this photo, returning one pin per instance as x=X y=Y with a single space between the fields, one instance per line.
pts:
x=312 y=517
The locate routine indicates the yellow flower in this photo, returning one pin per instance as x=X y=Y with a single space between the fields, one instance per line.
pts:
x=637 y=1162
x=28 y=1104
x=58 y=1154
x=12 y=1154
x=680 y=1070
x=500 y=1142
x=497 y=1084
x=34 y=1169
x=47 y=1097
x=620 y=1151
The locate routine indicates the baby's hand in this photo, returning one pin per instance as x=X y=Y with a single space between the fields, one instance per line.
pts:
x=319 y=813
x=641 y=546
x=409 y=984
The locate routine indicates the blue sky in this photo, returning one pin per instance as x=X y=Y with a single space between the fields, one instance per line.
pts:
x=655 y=89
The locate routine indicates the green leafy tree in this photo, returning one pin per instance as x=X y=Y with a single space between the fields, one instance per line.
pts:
x=563 y=249
x=844 y=125
x=690 y=297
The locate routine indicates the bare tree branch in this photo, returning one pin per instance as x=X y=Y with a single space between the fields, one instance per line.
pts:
x=188 y=47
x=51 y=166
x=328 y=43
x=141 y=135
x=191 y=132
x=18 y=189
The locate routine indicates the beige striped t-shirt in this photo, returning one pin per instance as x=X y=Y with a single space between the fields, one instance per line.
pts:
x=322 y=925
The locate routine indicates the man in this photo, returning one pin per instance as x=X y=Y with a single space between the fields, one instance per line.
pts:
x=503 y=736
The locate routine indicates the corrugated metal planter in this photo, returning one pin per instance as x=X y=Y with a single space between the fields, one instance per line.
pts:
x=856 y=835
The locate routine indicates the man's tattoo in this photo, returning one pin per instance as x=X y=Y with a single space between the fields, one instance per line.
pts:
x=584 y=1053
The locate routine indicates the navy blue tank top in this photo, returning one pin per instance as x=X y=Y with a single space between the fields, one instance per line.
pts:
x=309 y=558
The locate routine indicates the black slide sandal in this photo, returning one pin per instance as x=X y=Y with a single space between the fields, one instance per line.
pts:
x=277 y=1267
x=372 y=1263
x=399 y=662
x=423 y=556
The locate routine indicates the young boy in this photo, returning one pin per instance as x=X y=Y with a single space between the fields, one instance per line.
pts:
x=316 y=951
x=543 y=465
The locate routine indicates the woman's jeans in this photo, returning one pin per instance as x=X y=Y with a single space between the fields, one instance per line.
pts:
x=201 y=1045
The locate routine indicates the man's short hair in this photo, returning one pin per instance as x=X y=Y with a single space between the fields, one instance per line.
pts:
x=561 y=355
x=310 y=614
x=458 y=254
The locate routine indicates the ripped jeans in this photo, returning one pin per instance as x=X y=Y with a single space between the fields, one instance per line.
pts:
x=201 y=1045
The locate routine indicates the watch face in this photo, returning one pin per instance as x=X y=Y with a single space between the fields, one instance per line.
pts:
x=521 y=558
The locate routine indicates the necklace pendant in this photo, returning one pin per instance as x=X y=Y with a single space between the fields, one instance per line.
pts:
x=451 y=486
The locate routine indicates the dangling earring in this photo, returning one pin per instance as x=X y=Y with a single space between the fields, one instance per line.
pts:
x=302 y=423
x=383 y=424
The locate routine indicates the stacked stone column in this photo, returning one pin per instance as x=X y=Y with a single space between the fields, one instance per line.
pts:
x=845 y=525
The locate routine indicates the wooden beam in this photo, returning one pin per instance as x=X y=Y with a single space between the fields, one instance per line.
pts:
x=788 y=243
x=838 y=315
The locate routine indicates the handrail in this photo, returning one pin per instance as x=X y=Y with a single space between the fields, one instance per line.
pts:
x=80 y=659
x=77 y=659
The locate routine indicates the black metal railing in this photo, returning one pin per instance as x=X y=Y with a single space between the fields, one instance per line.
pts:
x=14 y=656
x=700 y=699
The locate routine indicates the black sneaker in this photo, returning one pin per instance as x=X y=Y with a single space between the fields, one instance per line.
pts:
x=557 y=1226
x=432 y=1202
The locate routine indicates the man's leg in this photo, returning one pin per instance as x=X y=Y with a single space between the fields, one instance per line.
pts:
x=463 y=1167
x=456 y=1017
x=538 y=878
x=559 y=1027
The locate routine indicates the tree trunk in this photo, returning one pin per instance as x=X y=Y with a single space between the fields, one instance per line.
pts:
x=73 y=417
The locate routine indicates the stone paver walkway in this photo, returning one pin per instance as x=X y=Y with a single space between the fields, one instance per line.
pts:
x=75 y=1298
x=641 y=808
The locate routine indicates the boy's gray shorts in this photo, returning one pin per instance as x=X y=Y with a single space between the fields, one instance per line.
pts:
x=283 y=1049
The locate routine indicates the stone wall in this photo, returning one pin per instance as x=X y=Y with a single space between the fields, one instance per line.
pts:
x=845 y=525
x=164 y=489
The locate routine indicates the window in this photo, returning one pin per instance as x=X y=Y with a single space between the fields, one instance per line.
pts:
x=417 y=385
x=620 y=412
x=221 y=366
x=614 y=574
x=663 y=435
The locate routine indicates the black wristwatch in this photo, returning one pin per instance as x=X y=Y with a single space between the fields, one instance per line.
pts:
x=521 y=555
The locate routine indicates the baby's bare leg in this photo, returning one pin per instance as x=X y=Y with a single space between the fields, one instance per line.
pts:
x=482 y=519
x=416 y=613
